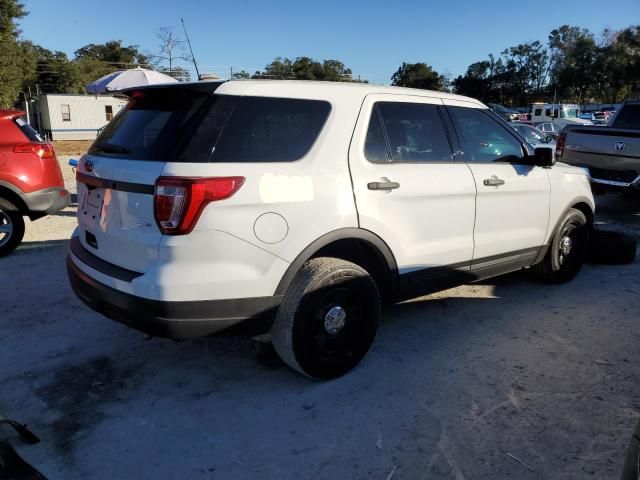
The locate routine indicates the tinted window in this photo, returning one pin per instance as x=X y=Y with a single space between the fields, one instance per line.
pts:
x=270 y=130
x=375 y=145
x=415 y=132
x=152 y=127
x=482 y=138
x=629 y=117
x=29 y=132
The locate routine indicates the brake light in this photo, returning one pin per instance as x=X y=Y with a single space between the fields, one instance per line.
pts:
x=43 y=150
x=562 y=138
x=179 y=201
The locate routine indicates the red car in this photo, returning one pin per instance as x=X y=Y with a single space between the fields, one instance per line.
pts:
x=31 y=183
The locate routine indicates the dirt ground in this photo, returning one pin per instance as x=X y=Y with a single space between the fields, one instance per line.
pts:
x=72 y=147
x=504 y=379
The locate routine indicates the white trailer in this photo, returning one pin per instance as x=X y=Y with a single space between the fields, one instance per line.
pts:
x=74 y=117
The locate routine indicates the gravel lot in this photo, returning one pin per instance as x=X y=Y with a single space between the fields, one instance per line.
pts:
x=504 y=379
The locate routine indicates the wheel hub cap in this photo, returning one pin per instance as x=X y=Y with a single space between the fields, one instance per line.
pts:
x=334 y=320
x=6 y=228
x=565 y=245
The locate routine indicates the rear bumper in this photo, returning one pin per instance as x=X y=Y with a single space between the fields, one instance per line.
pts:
x=178 y=320
x=47 y=201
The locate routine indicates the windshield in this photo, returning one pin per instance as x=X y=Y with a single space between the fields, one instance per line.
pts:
x=570 y=112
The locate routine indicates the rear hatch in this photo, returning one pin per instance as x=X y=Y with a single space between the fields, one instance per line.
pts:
x=116 y=178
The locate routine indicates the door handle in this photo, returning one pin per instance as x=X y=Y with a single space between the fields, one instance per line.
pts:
x=385 y=184
x=493 y=181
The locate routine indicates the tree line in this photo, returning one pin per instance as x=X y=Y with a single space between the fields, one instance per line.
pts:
x=573 y=65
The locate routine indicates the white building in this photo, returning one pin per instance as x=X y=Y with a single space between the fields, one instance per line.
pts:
x=73 y=117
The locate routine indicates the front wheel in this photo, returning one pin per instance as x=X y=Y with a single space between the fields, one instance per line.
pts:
x=568 y=249
x=328 y=318
x=11 y=227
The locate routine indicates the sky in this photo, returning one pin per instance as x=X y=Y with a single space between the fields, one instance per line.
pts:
x=371 y=37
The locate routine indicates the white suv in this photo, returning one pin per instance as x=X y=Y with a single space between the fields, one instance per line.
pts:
x=299 y=207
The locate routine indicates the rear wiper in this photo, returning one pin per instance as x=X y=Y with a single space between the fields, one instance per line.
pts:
x=111 y=148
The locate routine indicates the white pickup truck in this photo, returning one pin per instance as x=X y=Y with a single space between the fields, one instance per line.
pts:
x=561 y=114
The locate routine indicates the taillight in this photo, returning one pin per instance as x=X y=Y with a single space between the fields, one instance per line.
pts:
x=43 y=150
x=179 y=201
x=562 y=138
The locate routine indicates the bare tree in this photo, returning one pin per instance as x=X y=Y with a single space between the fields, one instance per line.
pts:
x=172 y=48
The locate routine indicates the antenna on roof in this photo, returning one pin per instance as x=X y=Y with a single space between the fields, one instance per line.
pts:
x=195 y=64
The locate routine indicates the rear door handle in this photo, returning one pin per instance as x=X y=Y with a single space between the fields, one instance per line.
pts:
x=493 y=181
x=385 y=184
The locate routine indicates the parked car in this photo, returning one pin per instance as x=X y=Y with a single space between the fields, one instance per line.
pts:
x=612 y=153
x=299 y=207
x=550 y=128
x=503 y=112
x=534 y=136
x=31 y=183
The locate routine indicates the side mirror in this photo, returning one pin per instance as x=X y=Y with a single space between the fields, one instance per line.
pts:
x=548 y=138
x=544 y=157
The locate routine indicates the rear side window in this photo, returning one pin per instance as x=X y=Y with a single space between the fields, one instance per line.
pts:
x=629 y=117
x=264 y=129
x=26 y=129
x=415 y=133
x=483 y=139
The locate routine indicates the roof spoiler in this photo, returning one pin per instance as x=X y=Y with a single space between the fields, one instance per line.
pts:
x=203 y=86
x=11 y=113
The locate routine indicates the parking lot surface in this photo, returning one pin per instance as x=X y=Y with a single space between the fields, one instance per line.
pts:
x=505 y=379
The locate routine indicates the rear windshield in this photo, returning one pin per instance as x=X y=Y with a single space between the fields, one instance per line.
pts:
x=629 y=117
x=200 y=127
x=29 y=132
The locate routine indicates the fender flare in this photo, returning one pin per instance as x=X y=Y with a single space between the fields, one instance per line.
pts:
x=349 y=233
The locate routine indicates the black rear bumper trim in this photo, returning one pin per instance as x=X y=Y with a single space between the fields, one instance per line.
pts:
x=179 y=320
x=100 y=265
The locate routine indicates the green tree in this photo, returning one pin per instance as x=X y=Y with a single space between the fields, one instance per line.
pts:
x=114 y=53
x=306 y=68
x=16 y=63
x=418 y=75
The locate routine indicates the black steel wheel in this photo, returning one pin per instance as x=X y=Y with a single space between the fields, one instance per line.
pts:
x=328 y=319
x=567 y=251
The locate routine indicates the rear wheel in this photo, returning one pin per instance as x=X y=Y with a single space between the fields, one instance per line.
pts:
x=567 y=251
x=328 y=318
x=11 y=227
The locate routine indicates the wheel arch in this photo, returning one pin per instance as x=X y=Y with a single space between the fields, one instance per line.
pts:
x=582 y=204
x=356 y=245
x=12 y=196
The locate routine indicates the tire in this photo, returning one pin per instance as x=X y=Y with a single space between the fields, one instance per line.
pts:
x=611 y=248
x=328 y=318
x=565 y=258
x=11 y=227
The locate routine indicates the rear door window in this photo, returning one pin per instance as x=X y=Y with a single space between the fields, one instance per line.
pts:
x=415 y=132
